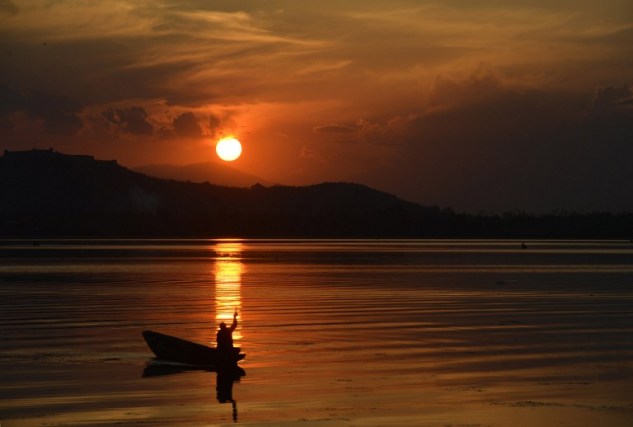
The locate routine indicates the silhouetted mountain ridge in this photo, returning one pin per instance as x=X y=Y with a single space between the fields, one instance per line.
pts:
x=49 y=194
x=212 y=172
x=48 y=185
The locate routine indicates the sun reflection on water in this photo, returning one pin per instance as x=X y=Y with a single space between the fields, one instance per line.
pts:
x=228 y=271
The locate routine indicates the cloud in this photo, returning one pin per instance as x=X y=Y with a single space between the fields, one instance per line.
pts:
x=335 y=128
x=481 y=87
x=186 y=125
x=612 y=100
x=196 y=53
x=308 y=153
x=214 y=125
x=610 y=115
x=56 y=114
x=10 y=100
x=7 y=7
x=484 y=144
x=132 y=120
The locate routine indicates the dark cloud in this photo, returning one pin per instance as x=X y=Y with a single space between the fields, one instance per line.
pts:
x=214 y=125
x=186 y=125
x=335 y=128
x=8 y=7
x=6 y=124
x=164 y=133
x=10 y=100
x=58 y=114
x=624 y=37
x=131 y=120
x=610 y=116
x=480 y=88
x=485 y=145
x=612 y=100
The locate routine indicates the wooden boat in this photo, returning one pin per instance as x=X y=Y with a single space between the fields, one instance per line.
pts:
x=173 y=349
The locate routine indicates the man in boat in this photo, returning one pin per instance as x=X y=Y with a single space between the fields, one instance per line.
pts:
x=224 y=337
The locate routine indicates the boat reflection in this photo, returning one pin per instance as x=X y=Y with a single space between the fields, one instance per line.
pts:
x=228 y=271
x=224 y=378
x=157 y=368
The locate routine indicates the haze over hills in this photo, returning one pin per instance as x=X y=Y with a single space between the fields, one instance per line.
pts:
x=49 y=194
x=212 y=172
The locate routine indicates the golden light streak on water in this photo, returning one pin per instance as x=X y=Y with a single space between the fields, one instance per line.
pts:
x=227 y=273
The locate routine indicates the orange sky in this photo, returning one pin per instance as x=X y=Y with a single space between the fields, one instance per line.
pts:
x=477 y=105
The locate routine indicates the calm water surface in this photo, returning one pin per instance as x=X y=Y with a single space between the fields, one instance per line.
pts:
x=336 y=332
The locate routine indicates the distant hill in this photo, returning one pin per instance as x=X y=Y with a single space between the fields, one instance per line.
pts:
x=212 y=172
x=49 y=193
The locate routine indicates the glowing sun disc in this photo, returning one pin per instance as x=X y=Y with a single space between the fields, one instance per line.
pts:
x=228 y=149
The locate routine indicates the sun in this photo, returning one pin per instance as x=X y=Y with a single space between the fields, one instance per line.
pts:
x=228 y=148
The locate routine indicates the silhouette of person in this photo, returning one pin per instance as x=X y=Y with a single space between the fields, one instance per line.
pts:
x=224 y=337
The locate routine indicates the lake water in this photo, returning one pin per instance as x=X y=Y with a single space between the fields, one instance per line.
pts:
x=336 y=332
